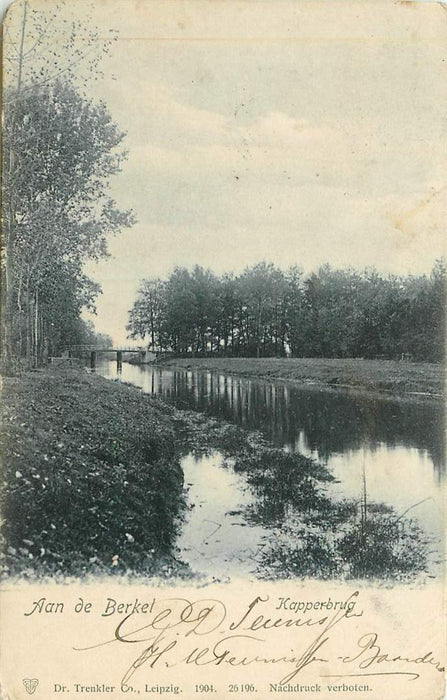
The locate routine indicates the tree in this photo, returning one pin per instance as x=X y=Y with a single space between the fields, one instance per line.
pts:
x=294 y=314
x=66 y=153
x=258 y=285
x=265 y=311
x=60 y=151
x=204 y=289
x=147 y=315
x=227 y=304
x=31 y=58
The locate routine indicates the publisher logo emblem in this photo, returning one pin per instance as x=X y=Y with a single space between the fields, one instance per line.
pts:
x=30 y=684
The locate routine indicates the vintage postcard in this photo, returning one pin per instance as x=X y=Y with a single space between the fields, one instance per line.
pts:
x=222 y=350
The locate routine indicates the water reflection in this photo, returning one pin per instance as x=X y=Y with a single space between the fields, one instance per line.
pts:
x=398 y=443
x=300 y=418
x=215 y=539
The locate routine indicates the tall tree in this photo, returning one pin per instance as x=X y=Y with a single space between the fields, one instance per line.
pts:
x=264 y=311
x=60 y=151
x=147 y=315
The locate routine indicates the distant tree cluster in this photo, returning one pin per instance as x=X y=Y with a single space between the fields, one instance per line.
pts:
x=59 y=150
x=266 y=312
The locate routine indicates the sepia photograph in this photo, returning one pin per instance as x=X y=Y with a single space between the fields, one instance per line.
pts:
x=223 y=292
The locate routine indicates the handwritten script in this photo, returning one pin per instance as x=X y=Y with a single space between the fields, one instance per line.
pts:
x=205 y=633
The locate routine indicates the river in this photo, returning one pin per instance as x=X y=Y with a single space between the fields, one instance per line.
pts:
x=396 y=444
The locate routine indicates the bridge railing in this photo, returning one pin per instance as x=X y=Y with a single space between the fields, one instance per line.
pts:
x=100 y=348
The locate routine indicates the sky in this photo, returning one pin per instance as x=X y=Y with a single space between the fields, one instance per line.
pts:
x=291 y=132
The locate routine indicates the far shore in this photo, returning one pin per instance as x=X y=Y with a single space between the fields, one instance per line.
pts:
x=389 y=376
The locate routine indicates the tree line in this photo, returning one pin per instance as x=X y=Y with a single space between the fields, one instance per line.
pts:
x=268 y=312
x=60 y=149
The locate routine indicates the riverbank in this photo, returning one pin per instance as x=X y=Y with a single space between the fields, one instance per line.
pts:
x=398 y=377
x=93 y=482
x=93 y=485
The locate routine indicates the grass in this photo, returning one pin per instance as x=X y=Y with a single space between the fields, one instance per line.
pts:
x=386 y=549
x=373 y=375
x=92 y=481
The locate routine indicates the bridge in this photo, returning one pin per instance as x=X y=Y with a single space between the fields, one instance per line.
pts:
x=92 y=351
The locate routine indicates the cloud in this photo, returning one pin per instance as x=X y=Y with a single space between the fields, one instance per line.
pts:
x=272 y=186
x=298 y=152
x=181 y=143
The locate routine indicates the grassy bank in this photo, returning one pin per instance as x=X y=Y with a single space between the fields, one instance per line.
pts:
x=374 y=375
x=92 y=482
